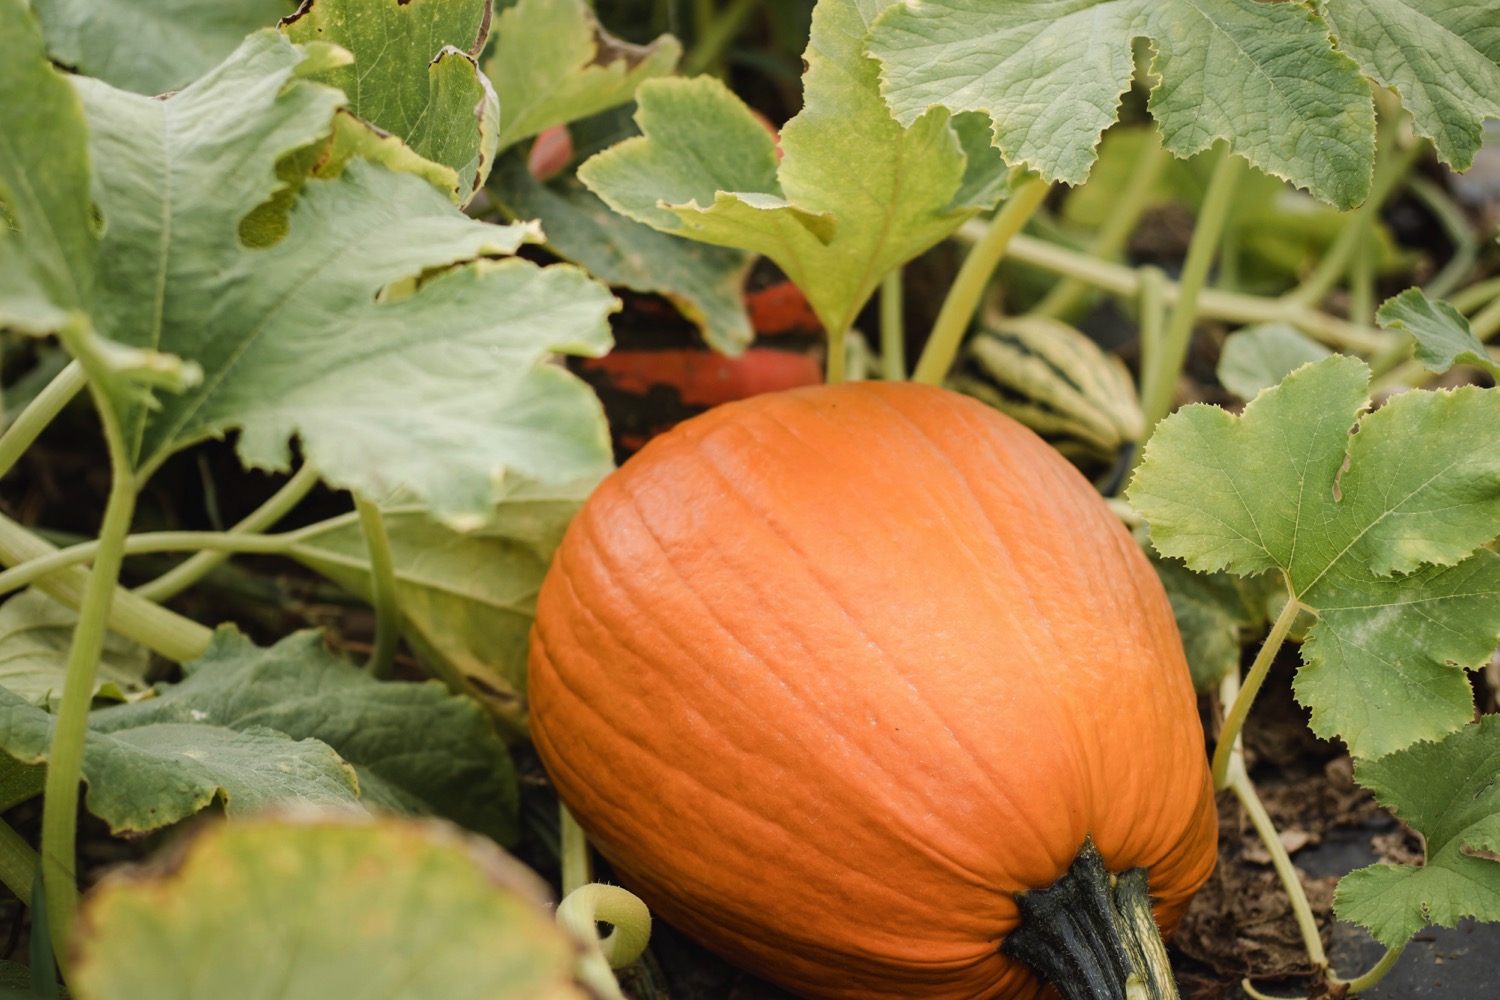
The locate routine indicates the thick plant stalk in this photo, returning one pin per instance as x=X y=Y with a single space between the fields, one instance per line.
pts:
x=1235 y=307
x=18 y=863
x=173 y=636
x=1113 y=235
x=972 y=279
x=577 y=872
x=1234 y=721
x=892 y=328
x=40 y=412
x=65 y=758
x=216 y=542
x=387 y=598
x=1092 y=936
x=197 y=566
x=1160 y=380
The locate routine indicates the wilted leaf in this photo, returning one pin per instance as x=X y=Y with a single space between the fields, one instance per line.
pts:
x=1442 y=334
x=467 y=599
x=706 y=169
x=35 y=635
x=1450 y=793
x=552 y=63
x=326 y=908
x=1373 y=533
x=415 y=74
x=1050 y=73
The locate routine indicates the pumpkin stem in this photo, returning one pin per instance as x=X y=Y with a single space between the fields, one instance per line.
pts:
x=1091 y=934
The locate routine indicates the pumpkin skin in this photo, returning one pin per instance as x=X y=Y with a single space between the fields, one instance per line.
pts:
x=828 y=675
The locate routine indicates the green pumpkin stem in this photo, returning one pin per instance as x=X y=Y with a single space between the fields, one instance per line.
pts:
x=1091 y=934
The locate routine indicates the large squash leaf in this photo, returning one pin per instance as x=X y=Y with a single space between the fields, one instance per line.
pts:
x=255 y=727
x=1448 y=792
x=552 y=63
x=35 y=634
x=415 y=74
x=1441 y=56
x=326 y=907
x=151 y=46
x=377 y=330
x=1373 y=521
x=706 y=169
x=1049 y=73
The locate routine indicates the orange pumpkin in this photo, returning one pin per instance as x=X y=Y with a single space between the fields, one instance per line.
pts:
x=834 y=677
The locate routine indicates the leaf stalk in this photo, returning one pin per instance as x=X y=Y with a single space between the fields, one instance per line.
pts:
x=18 y=863
x=387 y=599
x=1234 y=721
x=38 y=414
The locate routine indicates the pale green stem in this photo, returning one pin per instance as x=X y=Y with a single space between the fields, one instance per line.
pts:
x=160 y=630
x=973 y=277
x=838 y=348
x=1207 y=233
x=1391 y=165
x=1376 y=974
x=892 y=328
x=1235 y=720
x=1362 y=285
x=1486 y=321
x=577 y=871
x=1153 y=313
x=580 y=913
x=1455 y=225
x=40 y=412
x=33 y=570
x=65 y=758
x=1115 y=232
x=199 y=565
x=1244 y=789
x=1234 y=307
x=1476 y=296
x=387 y=599
x=714 y=38
x=17 y=863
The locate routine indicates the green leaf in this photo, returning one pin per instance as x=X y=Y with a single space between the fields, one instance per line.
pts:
x=1259 y=357
x=1372 y=531
x=375 y=330
x=1448 y=792
x=1441 y=56
x=467 y=599
x=1049 y=73
x=552 y=63
x=705 y=283
x=705 y=168
x=323 y=907
x=1217 y=613
x=151 y=46
x=416 y=748
x=415 y=74
x=259 y=727
x=144 y=779
x=46 y=265
x=35 y=634
x=1442 y=334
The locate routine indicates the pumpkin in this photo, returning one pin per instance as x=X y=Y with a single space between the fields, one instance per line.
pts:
x=838 y=678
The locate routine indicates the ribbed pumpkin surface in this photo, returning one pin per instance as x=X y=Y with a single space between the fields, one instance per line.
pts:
x=827 y=675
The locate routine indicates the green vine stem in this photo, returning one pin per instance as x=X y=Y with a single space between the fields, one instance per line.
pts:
x=199 y=565
x=1455 y=225
x=160 y=630
x=1244 y=789
x=1114 y=234
x=1152 y=321
x=972 y=279
x=1376 y=974
x=40 y=412
x=892 y=328
x=577 y=870
x=715 y=31
x=1362 y=285
x=582 y=910
x=1392 y=162
x=65 y=758
x=1234 y=721
x=383 y=585
x=1233 y=307
x=1159 y=382
x=1476 y=296
x=18 y=863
